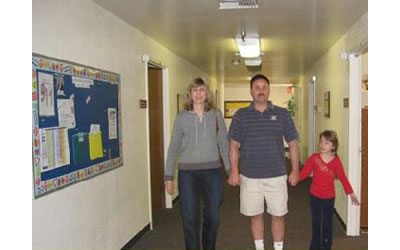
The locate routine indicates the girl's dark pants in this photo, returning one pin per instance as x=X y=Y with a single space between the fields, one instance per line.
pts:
x=322 y=214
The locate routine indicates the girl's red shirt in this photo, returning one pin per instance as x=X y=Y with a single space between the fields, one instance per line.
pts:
x=324 y=174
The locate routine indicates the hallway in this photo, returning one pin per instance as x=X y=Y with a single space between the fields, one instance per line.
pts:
x=234 y=232
x=297 y=44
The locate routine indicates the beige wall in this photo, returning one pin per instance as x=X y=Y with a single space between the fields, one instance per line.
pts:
x=104 y=212
x=333 y=75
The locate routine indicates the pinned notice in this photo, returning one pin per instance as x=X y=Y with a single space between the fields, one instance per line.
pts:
x=54 y=148
x=81 y=148
x=46 y=94
x=112 y=123
x=82 y=82
x=66 y=113
x=95 y=142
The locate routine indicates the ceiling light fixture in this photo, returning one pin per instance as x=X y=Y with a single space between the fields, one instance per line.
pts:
x=253 y=61
x=249 y=46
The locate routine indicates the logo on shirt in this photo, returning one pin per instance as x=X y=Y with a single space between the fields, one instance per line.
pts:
x=324 y=168
x=274 y=118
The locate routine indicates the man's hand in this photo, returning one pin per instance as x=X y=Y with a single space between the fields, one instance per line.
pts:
x=169 y=186
x=294 y=177
x=294 y=160
x=234 y=179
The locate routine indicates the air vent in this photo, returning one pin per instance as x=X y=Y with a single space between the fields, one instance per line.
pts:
x=237 y=4
x=254 y=68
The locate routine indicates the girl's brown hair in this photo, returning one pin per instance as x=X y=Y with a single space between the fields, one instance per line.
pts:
x=198 y=82
x=331 y=136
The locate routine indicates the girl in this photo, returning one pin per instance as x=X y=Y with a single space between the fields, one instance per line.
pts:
x=326 y=166
x=198 y=132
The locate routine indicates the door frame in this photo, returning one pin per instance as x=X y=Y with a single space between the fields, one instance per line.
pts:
x=311 y=117
x=298 y=92
x=354 y=156
x=147 y=60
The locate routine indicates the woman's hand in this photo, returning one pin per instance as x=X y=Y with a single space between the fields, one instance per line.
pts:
x=169 y=186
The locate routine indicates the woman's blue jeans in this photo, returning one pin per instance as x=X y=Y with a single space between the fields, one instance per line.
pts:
x=322 y=214
x=196 y=186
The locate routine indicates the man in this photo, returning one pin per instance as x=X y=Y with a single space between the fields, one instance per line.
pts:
x=258 y=131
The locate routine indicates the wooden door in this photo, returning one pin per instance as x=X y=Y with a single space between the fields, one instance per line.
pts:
x=156 y=137
x=364 y=169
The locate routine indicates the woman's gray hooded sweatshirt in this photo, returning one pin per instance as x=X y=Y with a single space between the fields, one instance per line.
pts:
x=194 y=143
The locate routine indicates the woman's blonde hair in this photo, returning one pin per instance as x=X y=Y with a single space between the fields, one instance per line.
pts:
x=198 y=82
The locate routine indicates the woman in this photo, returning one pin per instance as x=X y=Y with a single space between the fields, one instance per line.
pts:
x=199 y=131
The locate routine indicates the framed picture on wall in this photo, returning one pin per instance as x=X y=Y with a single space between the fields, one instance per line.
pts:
x=327 y=104
x=230 y=107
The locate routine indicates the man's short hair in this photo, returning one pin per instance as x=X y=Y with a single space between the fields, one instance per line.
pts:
x=258 y=77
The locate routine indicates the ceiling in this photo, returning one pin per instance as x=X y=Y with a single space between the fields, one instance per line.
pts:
x=293 y=33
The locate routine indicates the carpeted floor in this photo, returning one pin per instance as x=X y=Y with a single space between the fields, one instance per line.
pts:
x=234 y=230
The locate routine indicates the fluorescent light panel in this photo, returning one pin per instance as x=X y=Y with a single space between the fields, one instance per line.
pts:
x=237 y=4
x=249 y=47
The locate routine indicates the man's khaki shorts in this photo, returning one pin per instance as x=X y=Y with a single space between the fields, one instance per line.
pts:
x=254 y=191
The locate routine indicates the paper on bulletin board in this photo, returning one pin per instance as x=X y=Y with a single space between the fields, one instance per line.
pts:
x=94 y=128
x=43 y=150
x=80 y=148
x=60 y=84
x=50 y=148
x=46 y=94
x=82 y=82
x=54 y=146
x=66 y=113
x=95 y=145
x=112 y=123
x=61 y=147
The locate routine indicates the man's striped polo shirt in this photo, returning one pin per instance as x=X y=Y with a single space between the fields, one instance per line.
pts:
x=261 y=134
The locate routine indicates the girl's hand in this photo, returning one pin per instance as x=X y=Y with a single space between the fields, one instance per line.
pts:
x=169 y=186
x=354 y=199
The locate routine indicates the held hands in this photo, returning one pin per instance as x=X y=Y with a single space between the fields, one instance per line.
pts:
x=354 y=199
x=294 y=177
x=169 y=186
x=234 y=179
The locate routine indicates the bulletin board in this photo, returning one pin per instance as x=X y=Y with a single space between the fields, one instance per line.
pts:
x=76 y=123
